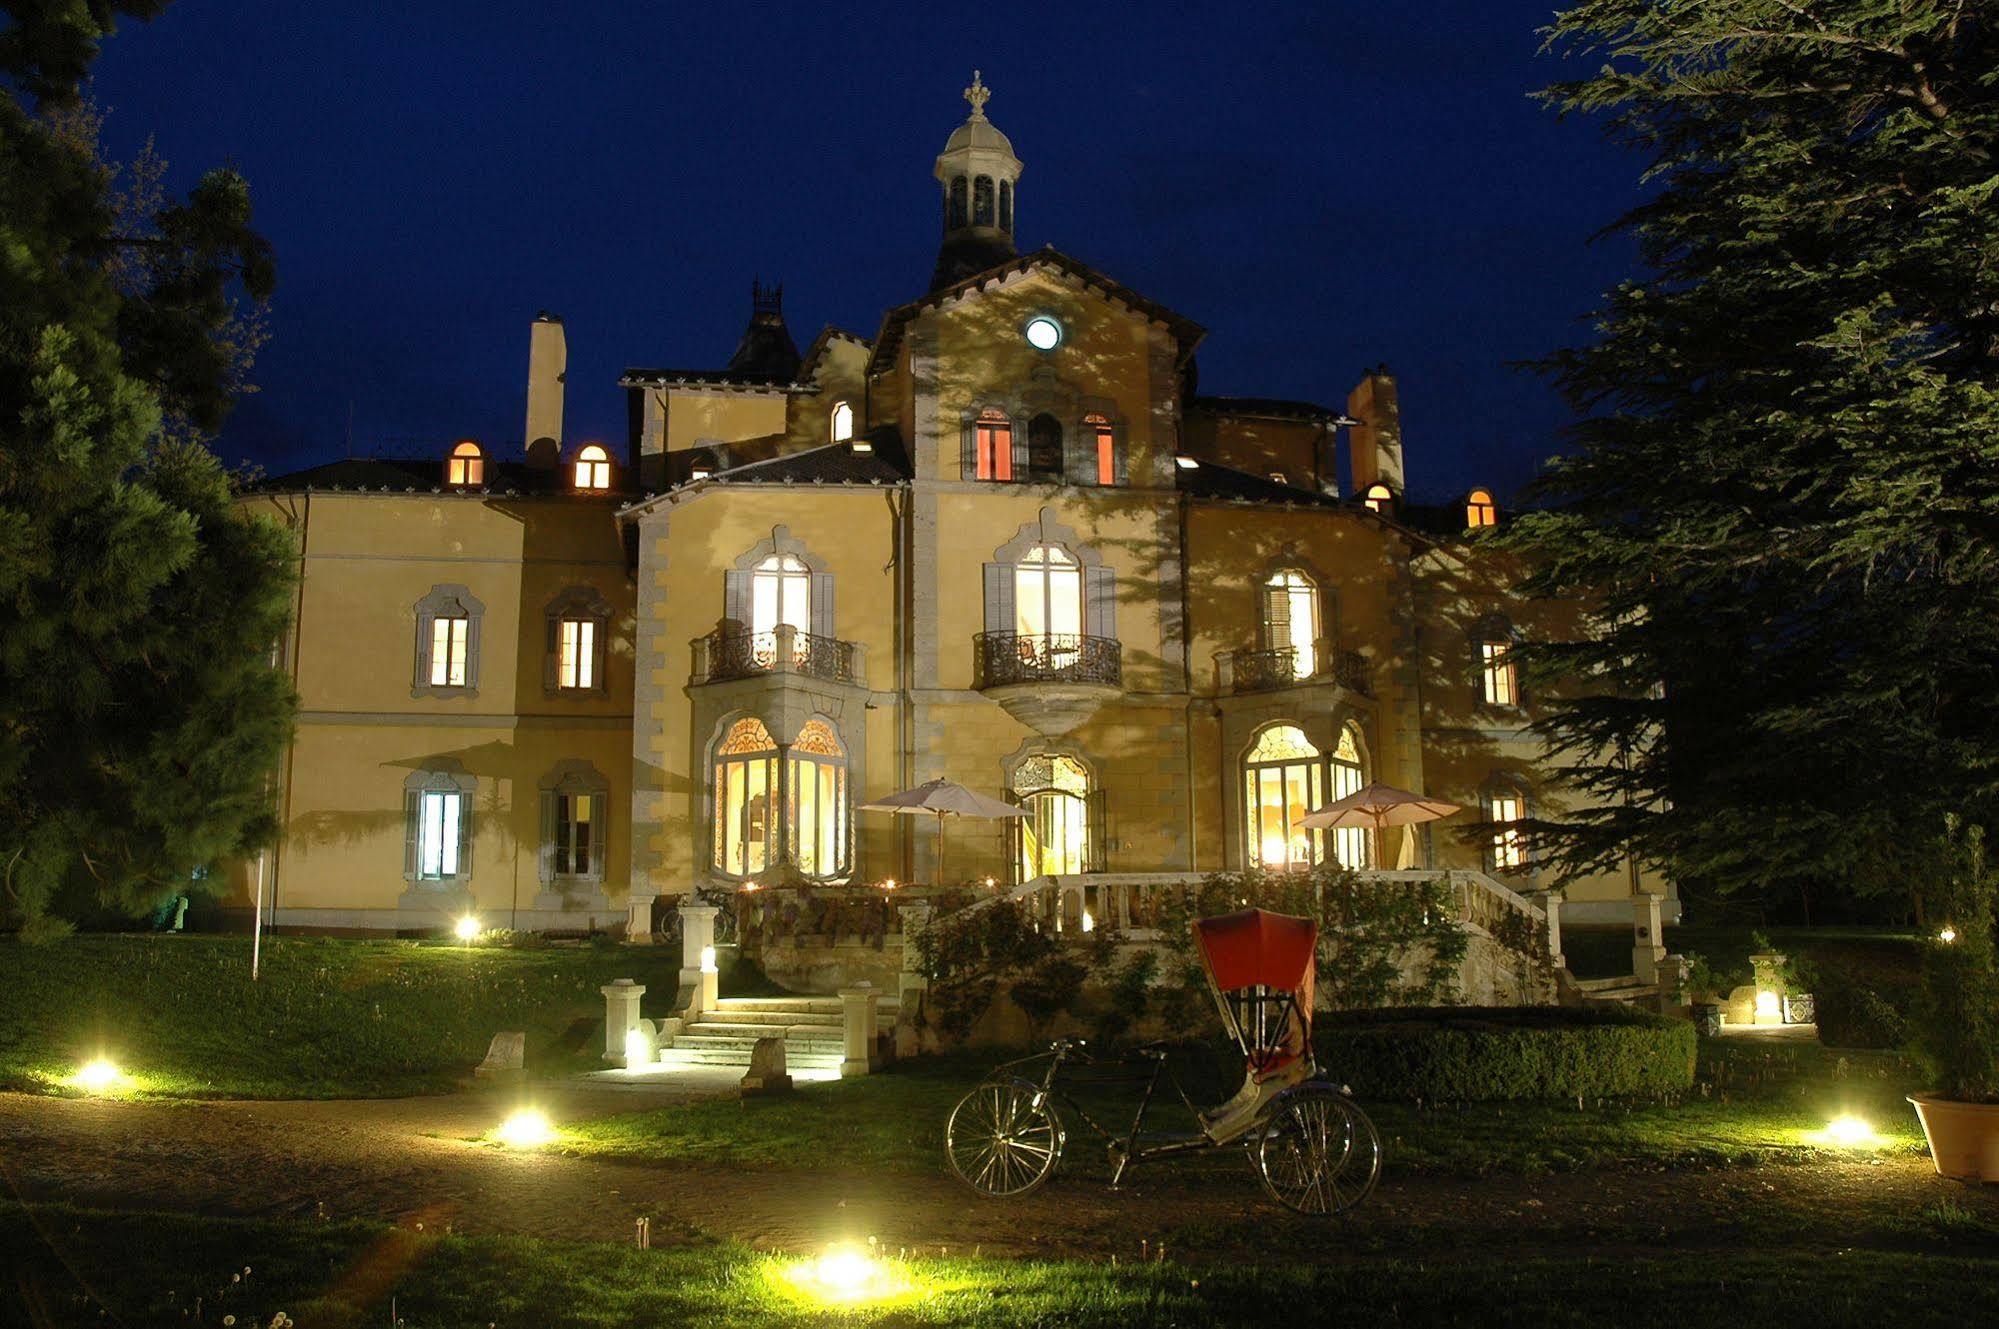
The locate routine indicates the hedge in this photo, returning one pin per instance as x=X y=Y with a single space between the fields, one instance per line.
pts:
x=1466 y=1054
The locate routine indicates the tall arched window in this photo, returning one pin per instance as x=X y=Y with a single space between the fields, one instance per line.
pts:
x=593 y=468
x=1055 y=836
x=992 y=440
x=1103 y=442
x=843 y=422
x=982 y=201
x=1480 y=510
x=745 y=791
x=467 y=465
x=1048 y=595
x=1283 y=779
x=956 y=219
x=1350 y=845
x=1291 y=619
x=1044 y=447
x=780 y=592
x=1498 y=680
x=816 y=778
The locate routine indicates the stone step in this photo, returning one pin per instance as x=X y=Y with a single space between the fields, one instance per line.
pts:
x=777 y=1019
x=804 y=1061
x=700 y=1039
x=811 y=1005
x=737 y=1029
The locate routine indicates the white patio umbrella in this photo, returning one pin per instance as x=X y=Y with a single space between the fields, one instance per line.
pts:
x=943 y=798
x=1376 y=808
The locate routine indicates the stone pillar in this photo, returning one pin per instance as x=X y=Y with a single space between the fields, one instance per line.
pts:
x=697 y=957
x=621 y=1015
x=857 y=1010
x=638 y=916
x=784 y=652
x=912 y=982
x=1646 y=947
x=1673 y=985
x=1550 y=903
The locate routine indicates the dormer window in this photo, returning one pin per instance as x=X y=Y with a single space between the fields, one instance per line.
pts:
x=593 y=468
x=1379 y=498
x=1480 y=510
x=467 y=464
x=843 y=422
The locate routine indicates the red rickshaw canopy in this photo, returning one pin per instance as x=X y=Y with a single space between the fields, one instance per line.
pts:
x=1256 y=948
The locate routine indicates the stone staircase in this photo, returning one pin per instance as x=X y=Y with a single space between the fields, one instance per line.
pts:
x=811 y=1028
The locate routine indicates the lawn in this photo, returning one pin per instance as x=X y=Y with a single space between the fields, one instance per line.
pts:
x=1764 y=1102
x=327 y=1019
x=152 y=1269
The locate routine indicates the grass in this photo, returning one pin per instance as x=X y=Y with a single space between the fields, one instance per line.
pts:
x=1764 y=1103
x=327 y=1019
x=77 y=1267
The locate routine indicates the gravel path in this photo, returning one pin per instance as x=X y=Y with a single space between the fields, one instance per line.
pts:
x=410 y=1161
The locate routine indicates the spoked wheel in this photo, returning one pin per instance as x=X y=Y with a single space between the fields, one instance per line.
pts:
x=1318 y=1153
x=1001 y=1141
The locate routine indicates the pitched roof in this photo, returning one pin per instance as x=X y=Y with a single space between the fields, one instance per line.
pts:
x=1268 y=408
x=887 y=463
x=1213 y=480
x=410 y=475
x=1185 y=330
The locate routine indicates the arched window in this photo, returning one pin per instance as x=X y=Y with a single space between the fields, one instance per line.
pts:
x=1379 y=497
x=1350 y=844
x=816 y=776
x=1492 y=644
x=593 y=468
x=1006 y=205
x=1103 y=441
x=1480 y=510
x=780 y=592
x=1283 y=779
x=575 y=815
x=843 y=422
x=1291 y=619
x=982 y=201
x=992 y=441
x=1506 y=806
x=467 y=465
x=1048 y=596
x=1044 y=447
x=1055 y=837
x=956 y=220
x=745 y=791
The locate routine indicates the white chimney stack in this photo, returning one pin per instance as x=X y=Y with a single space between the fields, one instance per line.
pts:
x=548 y=366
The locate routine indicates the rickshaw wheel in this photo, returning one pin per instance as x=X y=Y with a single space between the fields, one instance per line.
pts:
x=1000 y=1141
x=1318 y=1153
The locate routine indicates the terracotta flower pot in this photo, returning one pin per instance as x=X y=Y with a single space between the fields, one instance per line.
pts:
x=1964 y=1137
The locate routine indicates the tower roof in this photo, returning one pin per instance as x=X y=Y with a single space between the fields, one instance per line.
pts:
x=766 y=350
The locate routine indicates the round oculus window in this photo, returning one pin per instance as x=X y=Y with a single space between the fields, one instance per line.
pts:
x=1043 y=333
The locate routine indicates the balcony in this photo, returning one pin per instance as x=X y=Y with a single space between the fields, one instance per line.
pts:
x=1051 y=682
x=727 y=654
x=1267 y=671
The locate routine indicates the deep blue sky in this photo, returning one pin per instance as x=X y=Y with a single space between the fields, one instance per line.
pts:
x=1324 y=188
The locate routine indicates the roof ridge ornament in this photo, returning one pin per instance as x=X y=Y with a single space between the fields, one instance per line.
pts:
x=978 y=95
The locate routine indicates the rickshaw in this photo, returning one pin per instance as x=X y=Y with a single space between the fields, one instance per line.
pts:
x=1314 y=1149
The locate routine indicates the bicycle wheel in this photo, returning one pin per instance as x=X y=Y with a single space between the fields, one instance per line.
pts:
x=1318 y=1153
x=1001 y=1141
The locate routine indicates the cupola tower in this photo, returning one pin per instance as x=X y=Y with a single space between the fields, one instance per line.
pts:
x=980 y=176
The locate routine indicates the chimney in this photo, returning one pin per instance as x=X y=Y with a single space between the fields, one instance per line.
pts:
x=1374 y=445
x=548 y=366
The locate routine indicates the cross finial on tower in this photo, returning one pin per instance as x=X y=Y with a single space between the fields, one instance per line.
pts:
x=977 y=95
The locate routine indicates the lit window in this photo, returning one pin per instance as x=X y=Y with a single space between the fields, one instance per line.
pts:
x=575 y=812
x=1055 y=835
x=576 y=661
x=1350 y=843
x=437 y=807
x=593 y=468
x=1291 y=619
x=1048 y=596
x=817 y=783
x=1496 y=677
x=992 y=441
x=1379 y=497
x=1509 y=852
x=747 y=795
x=843 y=422
x=576 y=820
x=437 y=835
x=745 y=792
x=1283 y=779
x=450 y=640
x=781 y=592
x=467 y=465
x=699 y=473
x=1480 y=510
x=1106 y=442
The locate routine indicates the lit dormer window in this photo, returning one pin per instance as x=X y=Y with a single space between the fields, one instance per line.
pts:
x=843 y=422
x=1480 y=510
x=593 y=468
x=467 y=465
x=1379 y=497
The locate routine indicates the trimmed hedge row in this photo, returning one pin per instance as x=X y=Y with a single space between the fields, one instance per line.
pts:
x=1468 y=1054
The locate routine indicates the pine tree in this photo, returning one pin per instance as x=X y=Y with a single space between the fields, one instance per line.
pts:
x=141 y=716
x=1784 y=493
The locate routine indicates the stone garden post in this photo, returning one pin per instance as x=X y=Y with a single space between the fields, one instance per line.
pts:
x=1646 y=947
x=621 y=1015
x=697 y=957
x=857 y=1009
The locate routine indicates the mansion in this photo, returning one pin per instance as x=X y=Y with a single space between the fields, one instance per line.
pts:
x=1004 y=539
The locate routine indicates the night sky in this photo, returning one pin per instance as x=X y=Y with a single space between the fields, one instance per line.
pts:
x=1324 y=188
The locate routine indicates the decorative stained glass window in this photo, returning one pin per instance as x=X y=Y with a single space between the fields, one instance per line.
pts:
x=1283 y=779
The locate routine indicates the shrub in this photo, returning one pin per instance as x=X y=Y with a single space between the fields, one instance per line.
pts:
x=1482 y=1054
x=1957 y=1034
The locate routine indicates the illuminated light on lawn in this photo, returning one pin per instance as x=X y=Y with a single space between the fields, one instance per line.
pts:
x=844 y=1274
x=98 y=1075
x=1768 y=1009
x=1947 y=936
x=1847 y=1131
x=638 y=1049
x=525 y=1129
x=465 y=929
x=707 y=959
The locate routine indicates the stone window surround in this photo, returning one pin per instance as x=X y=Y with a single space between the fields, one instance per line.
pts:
x=447 y=600
x=1096 y=803
x=1099 y=581
x=574 y=775
x=1494 y=627
x=1326 y=599
x=1495 y=784
x=783 y=735
x=738 y=581
x=1321 y=727
x=576 y=602
x=1046 y=394
x=438 y=774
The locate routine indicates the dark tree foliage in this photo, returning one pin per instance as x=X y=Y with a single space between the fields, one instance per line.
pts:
x=141 y=716
x=1785 y=490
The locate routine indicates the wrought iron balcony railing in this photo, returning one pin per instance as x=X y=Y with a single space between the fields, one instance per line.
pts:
x=1004 y=658
x=1264 y=671
x=747 y=654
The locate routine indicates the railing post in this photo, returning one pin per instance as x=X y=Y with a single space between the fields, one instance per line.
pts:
x=784 y=654
x=860 y=657
x=1550 y=903
x=1646 y=947
x=702 y=646
x=857 y=1010
x=621 y=1015
x=698 y=975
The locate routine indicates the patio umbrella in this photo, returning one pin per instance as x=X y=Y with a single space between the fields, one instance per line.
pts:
x=1376 y=808
x=943 y=798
